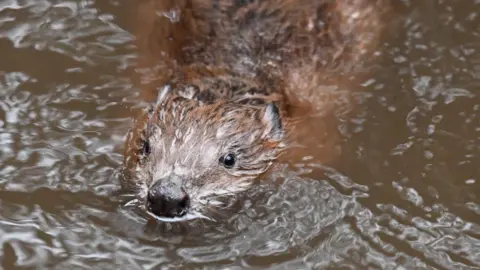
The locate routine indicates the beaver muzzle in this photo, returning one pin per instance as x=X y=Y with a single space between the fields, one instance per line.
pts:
x=167 y=198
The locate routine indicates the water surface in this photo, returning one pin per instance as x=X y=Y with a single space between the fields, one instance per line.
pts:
x=403 y=193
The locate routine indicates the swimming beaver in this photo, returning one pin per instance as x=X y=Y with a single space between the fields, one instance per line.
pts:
x=227 y=74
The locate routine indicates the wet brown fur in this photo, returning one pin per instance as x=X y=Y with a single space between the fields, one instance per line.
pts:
x=281 y=38
x=234 y=57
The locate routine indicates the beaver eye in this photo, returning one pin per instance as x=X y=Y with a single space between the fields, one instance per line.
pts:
x=228 y=160
x=145 y=148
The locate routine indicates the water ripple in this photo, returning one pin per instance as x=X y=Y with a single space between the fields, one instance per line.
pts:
x=403 y=193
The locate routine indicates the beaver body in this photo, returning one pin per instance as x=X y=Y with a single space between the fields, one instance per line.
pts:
x=227 y=74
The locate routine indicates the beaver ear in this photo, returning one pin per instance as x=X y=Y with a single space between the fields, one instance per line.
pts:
x=274 y=124
x=163 y=94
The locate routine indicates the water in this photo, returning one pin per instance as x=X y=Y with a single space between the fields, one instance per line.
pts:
x=401 y=194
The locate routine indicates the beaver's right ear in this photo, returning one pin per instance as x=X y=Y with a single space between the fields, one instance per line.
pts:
x=164 y=93
x=274 y=123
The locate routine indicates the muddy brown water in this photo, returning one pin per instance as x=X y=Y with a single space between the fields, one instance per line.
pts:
x=402 y=194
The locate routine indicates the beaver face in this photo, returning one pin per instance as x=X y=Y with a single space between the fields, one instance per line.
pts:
x=191 y=154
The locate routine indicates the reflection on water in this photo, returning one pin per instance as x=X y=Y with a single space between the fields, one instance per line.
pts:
x=402 y=195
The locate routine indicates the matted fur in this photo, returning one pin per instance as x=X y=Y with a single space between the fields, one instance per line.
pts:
x=227 y=71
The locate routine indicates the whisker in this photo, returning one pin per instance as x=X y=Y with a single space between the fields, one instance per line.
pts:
x=201 y=216
x=133 y=202
x=223 y=195
x=189 y=216
x=214 y=203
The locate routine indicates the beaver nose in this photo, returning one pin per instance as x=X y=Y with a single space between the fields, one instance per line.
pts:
x=167 y=200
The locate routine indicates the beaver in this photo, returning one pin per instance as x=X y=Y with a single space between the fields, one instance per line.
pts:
x=228 y=76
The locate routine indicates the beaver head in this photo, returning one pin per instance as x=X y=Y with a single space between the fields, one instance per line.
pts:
x=188 y=154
